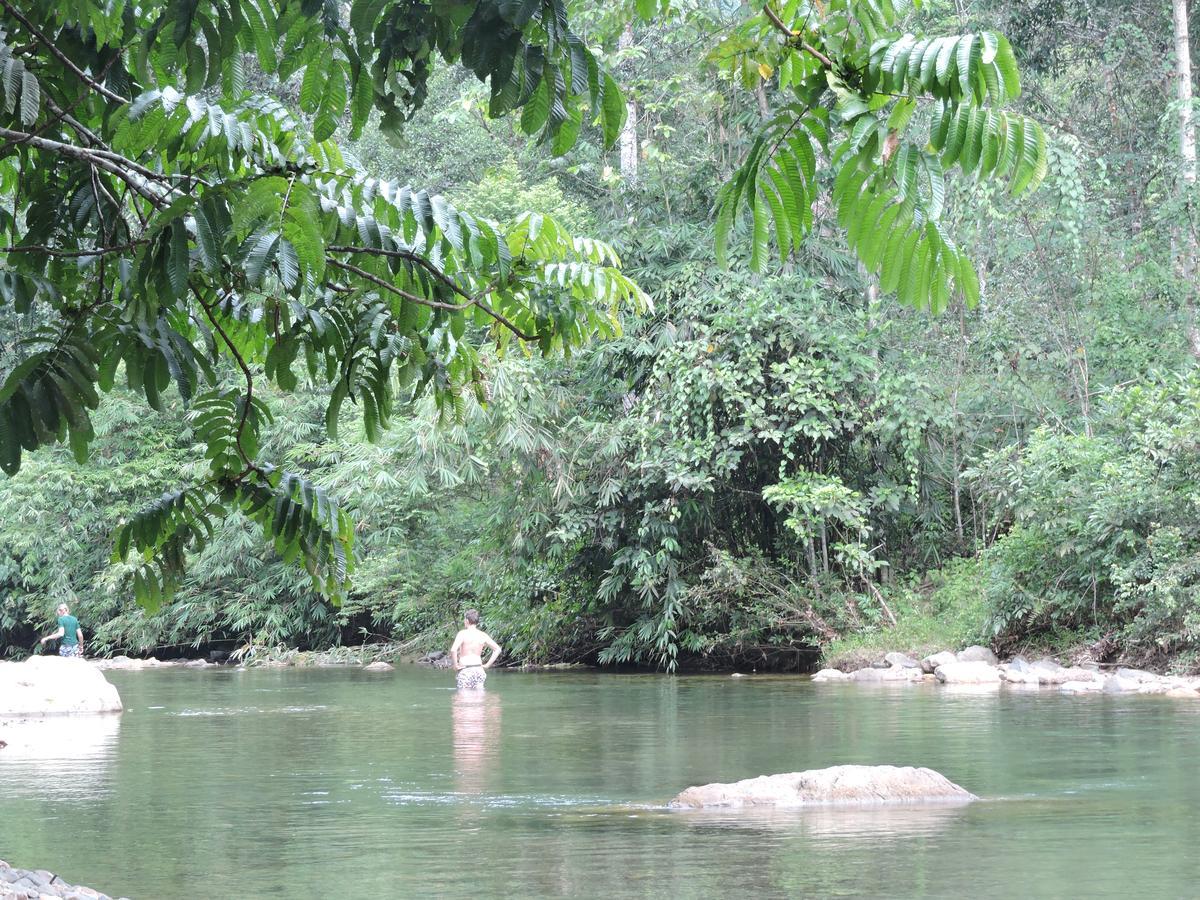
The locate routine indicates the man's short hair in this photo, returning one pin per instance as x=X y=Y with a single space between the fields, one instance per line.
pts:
x=472 y=616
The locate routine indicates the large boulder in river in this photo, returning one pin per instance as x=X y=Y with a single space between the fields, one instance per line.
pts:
x=835 y=786
x=51 y=685
x=830 y=675
x=967 y=673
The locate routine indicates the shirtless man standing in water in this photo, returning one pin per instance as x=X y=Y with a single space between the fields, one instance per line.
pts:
x=467 y=653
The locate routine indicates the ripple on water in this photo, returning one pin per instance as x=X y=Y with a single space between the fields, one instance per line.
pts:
x=243 y=710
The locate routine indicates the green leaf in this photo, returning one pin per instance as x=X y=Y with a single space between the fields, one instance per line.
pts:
x=613 y=111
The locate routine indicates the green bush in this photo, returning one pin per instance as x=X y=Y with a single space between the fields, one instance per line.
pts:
x=1105 y=542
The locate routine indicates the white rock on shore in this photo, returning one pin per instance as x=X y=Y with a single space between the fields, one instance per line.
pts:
x=975 y=670
x=52 y=685
x=930 y=663
x=853 y=786
x=970 y=672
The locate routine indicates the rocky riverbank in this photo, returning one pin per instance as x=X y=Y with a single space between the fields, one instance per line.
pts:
x=36 y=884
x=978 y=667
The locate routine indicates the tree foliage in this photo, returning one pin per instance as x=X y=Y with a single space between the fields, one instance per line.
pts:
x=169 y=226
x=850 y=89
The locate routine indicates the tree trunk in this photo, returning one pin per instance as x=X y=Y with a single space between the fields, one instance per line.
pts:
x=629 y=141
x=1187 y=160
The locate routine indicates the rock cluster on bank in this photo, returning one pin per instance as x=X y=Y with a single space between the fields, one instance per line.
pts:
x=978 y=666
x=52 y=685
x=835 y=786
x=28 y=884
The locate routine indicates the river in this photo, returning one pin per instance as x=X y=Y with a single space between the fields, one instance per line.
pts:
x=340 y=783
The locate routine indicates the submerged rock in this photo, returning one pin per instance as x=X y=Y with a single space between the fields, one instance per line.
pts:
x=379 y=666
x=835 y=786
x=1082 y=687
x=1183 y=693
x=967 y=673
x=124 y=663
x=1120 y=684
x=830 y=675
x=39 y=883
x=52 y=685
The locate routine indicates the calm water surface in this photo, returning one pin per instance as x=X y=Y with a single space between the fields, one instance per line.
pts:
x=338 y=783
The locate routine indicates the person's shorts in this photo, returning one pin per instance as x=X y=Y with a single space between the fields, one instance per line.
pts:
x=471 y=678
x=72 y=651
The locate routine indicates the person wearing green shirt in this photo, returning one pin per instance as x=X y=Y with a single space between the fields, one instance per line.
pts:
x=69 y=631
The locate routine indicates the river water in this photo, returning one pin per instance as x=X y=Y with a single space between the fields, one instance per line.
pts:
x=340 y=783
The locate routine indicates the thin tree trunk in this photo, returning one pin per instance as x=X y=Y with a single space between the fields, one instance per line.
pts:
x=1187 y=159
x=629 y=141
x=1183 y=93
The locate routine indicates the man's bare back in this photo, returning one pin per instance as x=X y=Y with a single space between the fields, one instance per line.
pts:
x=466 y=653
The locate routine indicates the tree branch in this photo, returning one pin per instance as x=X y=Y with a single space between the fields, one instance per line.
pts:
x=388 y=286
x=411 y=257
x=112 y=163
x=62 y=57
x=55 y=251
x=454 y=307
x=250 y=464
x=794 y=37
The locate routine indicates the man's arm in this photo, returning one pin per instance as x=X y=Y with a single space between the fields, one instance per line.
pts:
x=79 y=637
x=454 y=648
x=495 y=652
x=53 y=637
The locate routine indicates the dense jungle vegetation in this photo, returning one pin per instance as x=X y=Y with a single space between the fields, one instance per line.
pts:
x=824 y=445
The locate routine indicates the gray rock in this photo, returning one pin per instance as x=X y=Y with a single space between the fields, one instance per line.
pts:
x=1062 y=676
x=379 y=666
x=970 y=672
x=827 y=675
x=1048 y=664
x=1017 y=664
x=1138 y=675
x=1183 y=693
x=977 y=654
x=1082 y=687
x=837 y=786
x=930 y=663
x=901 y=661
x=1119 y=684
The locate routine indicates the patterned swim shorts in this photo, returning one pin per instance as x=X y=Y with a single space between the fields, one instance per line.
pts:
x=471 y=678
x=72 y=651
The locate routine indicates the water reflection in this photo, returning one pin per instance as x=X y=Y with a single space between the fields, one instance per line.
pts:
x=59 y=756
x=476 y=730
x=872 y=823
